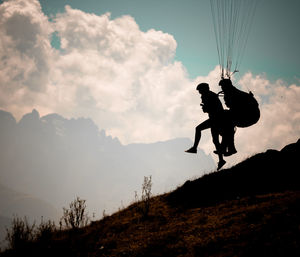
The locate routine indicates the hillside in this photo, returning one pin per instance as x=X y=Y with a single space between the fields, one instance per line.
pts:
x=272 y=171
x=251 y=209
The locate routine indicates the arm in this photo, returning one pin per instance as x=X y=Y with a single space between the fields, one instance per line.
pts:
x=204 y=107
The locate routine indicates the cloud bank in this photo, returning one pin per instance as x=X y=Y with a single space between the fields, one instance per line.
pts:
x=125 y=79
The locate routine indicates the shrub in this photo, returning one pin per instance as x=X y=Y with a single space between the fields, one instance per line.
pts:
x=20 y=233
x=45 y=230
x=75 y=216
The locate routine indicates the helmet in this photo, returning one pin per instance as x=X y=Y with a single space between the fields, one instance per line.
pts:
x=225 y=82
x=202 y=86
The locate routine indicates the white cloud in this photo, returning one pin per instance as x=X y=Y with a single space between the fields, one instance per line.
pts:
x=127 y=79
x=123 y=78
x=25 y=53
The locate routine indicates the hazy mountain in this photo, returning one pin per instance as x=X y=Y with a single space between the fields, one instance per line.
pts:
x=20 y=204
x=57 y=159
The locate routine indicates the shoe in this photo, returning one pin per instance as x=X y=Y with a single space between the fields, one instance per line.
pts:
x=217 y=152
x=230 y=152
x=191 y=150
x=221 y=164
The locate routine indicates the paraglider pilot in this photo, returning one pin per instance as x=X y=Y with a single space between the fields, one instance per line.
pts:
x=212 y=105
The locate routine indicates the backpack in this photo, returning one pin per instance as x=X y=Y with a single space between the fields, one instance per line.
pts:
x=243 y=107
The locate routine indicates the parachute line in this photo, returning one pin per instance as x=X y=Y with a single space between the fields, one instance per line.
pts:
x=232 y=21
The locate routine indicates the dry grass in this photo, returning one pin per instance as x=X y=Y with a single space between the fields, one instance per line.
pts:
x=265 y=225
x=233 y=228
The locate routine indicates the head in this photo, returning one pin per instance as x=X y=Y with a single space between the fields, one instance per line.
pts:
x=225 y=84
x=202 y=88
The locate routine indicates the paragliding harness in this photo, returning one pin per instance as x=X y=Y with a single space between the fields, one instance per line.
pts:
x=244 y=109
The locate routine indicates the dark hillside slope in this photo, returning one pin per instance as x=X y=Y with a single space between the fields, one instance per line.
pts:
x=271 y=171
x=251 y=209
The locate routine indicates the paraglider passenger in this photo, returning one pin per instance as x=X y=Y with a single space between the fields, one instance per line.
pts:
x=212 y=105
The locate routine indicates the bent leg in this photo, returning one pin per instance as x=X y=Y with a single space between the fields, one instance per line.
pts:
x=204 y=125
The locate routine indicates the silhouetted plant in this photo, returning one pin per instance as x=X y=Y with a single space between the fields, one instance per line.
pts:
x=45 y=230
x=75 y=216
x=20 y=233
x=144 y=202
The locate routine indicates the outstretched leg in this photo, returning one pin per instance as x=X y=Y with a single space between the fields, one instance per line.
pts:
x=204 y=125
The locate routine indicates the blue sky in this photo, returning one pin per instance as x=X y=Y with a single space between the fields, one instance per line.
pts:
x=273 y=45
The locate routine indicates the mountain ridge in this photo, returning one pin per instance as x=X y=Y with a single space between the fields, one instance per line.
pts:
x=57 y=159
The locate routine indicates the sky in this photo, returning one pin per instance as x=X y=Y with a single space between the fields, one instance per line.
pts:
x=273 y=45
x=132 y=66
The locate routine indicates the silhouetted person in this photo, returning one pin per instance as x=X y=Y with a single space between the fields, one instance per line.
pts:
x=212 y=105
x=243 y=111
